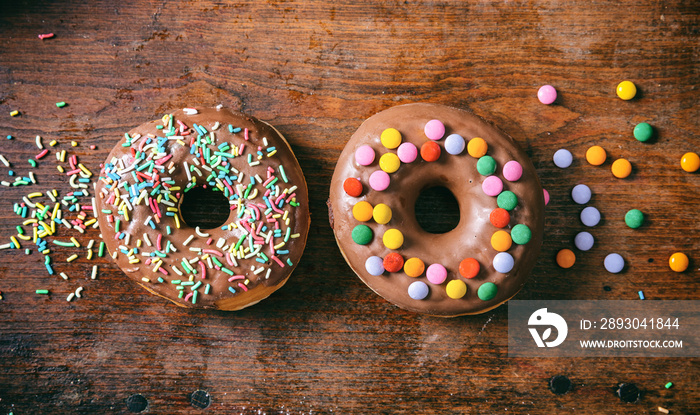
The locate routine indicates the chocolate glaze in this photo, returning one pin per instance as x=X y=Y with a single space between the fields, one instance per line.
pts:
x=219 y=296
x=471 y=237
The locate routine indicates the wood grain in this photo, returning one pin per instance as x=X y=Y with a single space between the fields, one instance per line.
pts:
x=325 y=343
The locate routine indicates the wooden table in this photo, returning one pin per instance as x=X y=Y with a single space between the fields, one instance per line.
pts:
x=325 y=343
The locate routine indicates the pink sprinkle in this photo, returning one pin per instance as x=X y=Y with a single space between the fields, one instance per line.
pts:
x=203 y=268
x=436 y=274
x=42 y=154
x=243 y=287
x=209 y=241
x=277 y=260
x=292 y=196
x=407 y=152
x=148 y=262
x=213 y=252
x=266 y=182
x=158 y=245
x=236 y=277
x=46 y=36
x=72 y=172
x=188 y=296
x=512 y=171
x=434 y=129
x=364 y=155
x=161 y=269
x=229 y=259
x=379 y=180
x=92 y=147
x=163 y=160
x=492 y=186
x=245 y=134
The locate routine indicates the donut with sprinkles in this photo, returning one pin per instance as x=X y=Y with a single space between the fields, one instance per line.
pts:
x=389 y=161
x=148 y=175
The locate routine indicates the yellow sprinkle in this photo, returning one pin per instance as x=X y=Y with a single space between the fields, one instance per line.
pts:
x=60 y=169
x=134 y=261
x=63 y=156
x=72 y=258
x=182 y=143
x=85 y=169
x=55 y=193
x=35 y=235
x=191 y=278
x=177 y=222
x=279 y=245
x=53 y=227
x=74 y=143
x=53 y=143
x=138 y=243
x=24 y=237
x=144 y=279
x=56 y=208
x=29 y=222
x=47 y=228
x=126 y=214
x=174 y=188
x=43 y=234
x=90 y=222
x=272 y=153
x=40 y=206
x=89 y=254
x=75 y=242
x=35 y=194
x=46 y=251
x=14 y=113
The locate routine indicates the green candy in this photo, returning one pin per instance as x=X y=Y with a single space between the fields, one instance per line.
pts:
x=362 y=234
x=486 y=166
x=643 y=132
x=487 y=291
x=520 y=234
x=634 y=218
x=507 y=200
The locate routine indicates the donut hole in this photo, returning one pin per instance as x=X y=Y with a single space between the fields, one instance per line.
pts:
x=437 y=210
x=205 y=208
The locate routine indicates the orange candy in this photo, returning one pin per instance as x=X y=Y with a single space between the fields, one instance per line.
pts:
x=413 y=267
x=596 y=155
x=430 y=151
x=469 y=268
x=352 y=187
x=621 y=168
x=501 y=241
x=393 y=262
x=499 y=218
x=566 y=258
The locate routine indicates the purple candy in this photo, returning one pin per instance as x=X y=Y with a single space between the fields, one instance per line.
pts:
x=418 y=290
x=454 y=144
x=374 y=266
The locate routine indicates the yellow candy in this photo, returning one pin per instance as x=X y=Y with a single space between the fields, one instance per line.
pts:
x=413 y=267
x=382 y=214
x=389 y=162
x=690 y=162
x=501 y=241
x=477 y=147
x=393 y=239
x=626 y=90
x=456 y=289
x=621 y=168
x=678 y=262
x=362 y=211
x=596 y=155
x=391 y=138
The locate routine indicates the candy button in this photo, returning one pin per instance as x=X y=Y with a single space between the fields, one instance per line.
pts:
x=590 y=216
x=469 y=268
x=547 y=94
x=352 y=187
x=434 y=129
x=690 y=162
x=596 y=155
x=634 y=218
x=499 y=218
x=364 y=155
x=614 y=263
x=626 y=90
x=584 y=241
x=418 y=290
x=374 y=266
x=407 y=152
x=487 y=291
x=621 y=168
x=521 y=234
x=503 y=262
x=362 y=211
x=563 y=158
x=362 y=234
x=456 y=289
x=581 y=194
x=566 y=258
x=389 y=162
x=393 y=262
x=492 y=186
x=379 y=180
x=390 y=138
x=678 y=262
x=507 y=200
x=430 y=151
x=501 y=241
x=393 y=238
x=381 y=214
x=477 y=147
x=454 y=144
x=545 y=193
x=486 y=165
x=512 y=171
x=436 y=273
x=643 y=132
x=413 y=267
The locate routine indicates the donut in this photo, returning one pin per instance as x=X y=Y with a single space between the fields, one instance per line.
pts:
x=149 y=173
x=389 y=162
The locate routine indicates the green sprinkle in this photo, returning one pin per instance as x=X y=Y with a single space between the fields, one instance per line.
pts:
x=668 y=385
x=27 y=251
x=182 y=294
x=101 y=251
x=283 y=174
x=187 y=283
x=61 y=104
x=60 y=243
x=44 y=292
x=168 y=230
x=206 y=289
x=31 y=162
x=197 y=285
x=20 y=230
x=116 y=225
x=194 y=297
x=228 y=271
x=175 y=281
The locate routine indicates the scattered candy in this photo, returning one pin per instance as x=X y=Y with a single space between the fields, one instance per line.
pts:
x=455 y=144
x=512 y=171
x=486 y=165
x=487 y=291
x=389 y=162
x=590 y=216
x=418 y=290
x=456 y=289
x=393 y=262
x=477 y=147
x=492 y=186
x=563 y=158
x=678 y=262
x=362 y=211
x=407 y=152
x=379 y=180
x=634 y=218
x=547 y=94
x=643 y=132
x=690 y=162
x=436 y=274
x=596 y=155
x=566 y=258
x=434 y=129
x=581 y=194
x=393 y=238
x=430 y=151
x=390 y=138
x=364 y=155
x=382 y=214
x=503 y=262
x=521 y=234
x=621 y=168
x=626 y=90
x=469 y=268
x=584 y=241
x=362 y=234
x=413 y=267
x=352 y=187
x=374 y=266
x=614 y=263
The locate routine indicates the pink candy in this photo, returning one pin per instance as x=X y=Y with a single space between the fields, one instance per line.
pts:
x=512 y=171
x=492 y=186
x=407 y=152
x=547 y=94
x=546 y=196
x=436 y=274
x=434 y=129
x=379 y=180
x=364 y=155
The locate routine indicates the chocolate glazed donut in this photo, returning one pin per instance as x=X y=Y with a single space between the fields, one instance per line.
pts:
x=149 y=173
x=478 y=265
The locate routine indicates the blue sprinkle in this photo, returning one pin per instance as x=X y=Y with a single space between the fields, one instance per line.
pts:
x=11 y=173
x=262 y=261
x=49 y=269
x=232 y=289
x=153 y=225
x=9 y=137
x=282 y=251
x=236 y=130
x=289 y=262
x=122 y=235
x=641 y=295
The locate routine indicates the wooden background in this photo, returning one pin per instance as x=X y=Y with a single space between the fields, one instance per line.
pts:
x=325 y=343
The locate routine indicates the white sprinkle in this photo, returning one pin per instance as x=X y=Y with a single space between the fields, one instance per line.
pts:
x=220 y=242
x=200 y=233
x=78 y=291
x=31 y=177
x=218 y=107
x=188 y=240
x=216 y=126
x=190 y=111
x=38 y=143
x=94 y=272
x=267 y=275
x=176 y=269
x=4 y=161
x=70 y=297
x=145 y=239
x=63 y=275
